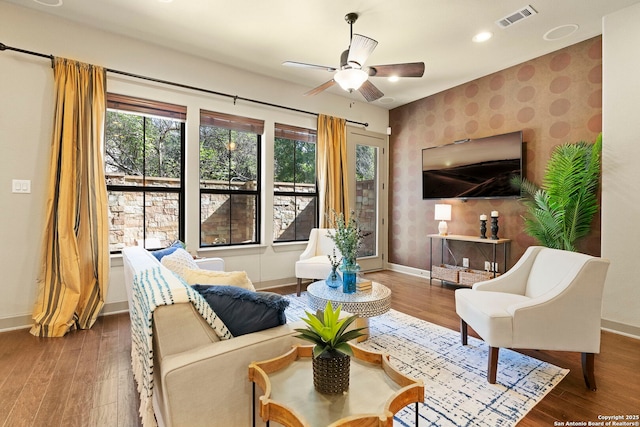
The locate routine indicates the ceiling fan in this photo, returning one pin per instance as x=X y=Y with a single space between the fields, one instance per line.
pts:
x=352 y=74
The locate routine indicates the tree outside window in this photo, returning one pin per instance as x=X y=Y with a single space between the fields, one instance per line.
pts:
x=295 y=200
x=229 y=179
x=144 y=145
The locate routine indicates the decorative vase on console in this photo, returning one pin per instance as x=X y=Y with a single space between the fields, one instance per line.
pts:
x=334 y=280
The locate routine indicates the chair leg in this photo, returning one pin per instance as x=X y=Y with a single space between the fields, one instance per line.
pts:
x=588 y=370
x=492 y=369
x=464 y=333
x=299 y=286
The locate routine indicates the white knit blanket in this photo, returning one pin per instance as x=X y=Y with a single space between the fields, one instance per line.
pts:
x=154 y=285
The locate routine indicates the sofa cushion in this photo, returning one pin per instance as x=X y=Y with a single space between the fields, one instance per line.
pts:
x=244 y=311
x=179 y=262
x=209 y=277
x=161 y=253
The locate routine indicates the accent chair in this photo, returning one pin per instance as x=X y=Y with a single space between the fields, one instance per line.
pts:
x=314 y=262
x=550 y=300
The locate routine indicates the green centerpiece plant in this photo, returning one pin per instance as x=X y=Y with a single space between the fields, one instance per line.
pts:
x=561 y=210
x=332 y=352
x=347 y=236
x=348 y=239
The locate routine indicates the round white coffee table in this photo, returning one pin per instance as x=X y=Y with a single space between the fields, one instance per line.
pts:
x=364 y=304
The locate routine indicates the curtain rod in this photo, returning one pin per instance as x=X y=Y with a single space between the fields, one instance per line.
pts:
x=184 y=86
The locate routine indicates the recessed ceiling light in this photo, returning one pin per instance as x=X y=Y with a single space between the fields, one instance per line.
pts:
x=393 y=78
x=386 y=100
x=52 y=3
x=482 y=37
x=560 y=32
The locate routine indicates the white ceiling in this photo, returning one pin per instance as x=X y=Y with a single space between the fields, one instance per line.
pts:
x=258 y=35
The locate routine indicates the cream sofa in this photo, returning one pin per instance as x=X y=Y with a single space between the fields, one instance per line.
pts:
x=198 y=379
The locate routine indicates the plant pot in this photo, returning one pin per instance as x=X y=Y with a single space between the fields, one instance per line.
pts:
x=331 y=373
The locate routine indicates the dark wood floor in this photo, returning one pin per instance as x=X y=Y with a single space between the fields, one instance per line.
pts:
x=84 y=379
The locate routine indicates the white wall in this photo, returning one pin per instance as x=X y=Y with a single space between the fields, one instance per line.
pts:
x=26 y=106
x=621 y=174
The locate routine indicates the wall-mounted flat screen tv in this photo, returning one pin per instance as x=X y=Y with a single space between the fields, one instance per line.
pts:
x=473 y=168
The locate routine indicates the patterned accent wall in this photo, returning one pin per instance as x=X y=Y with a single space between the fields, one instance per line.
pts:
x=553 y=99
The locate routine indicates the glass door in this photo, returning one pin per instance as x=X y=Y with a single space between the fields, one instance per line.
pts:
x=367 y=165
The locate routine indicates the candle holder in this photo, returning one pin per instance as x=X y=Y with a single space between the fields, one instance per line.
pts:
x=494 y=228
x=483 y=228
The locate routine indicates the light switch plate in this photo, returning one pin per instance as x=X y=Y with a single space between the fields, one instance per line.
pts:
x=21 y=186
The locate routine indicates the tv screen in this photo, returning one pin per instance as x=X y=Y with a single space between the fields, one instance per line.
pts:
x=474 y=168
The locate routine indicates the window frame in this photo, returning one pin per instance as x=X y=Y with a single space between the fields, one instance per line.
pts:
x=297 y=134
x=147 y=109
x=239 y=124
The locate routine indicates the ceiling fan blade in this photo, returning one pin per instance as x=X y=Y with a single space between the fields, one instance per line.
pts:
x=370 y=91
x=303 y=65
x=360 y=49
x=411 y=69
x=320 y=88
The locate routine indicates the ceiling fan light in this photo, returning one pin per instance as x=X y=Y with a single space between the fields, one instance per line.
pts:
x=350 y=79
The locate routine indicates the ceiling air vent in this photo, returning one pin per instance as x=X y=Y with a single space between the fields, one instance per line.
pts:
x=517 y=16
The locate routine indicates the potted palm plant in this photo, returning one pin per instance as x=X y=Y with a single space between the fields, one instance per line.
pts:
x=332 y=352
x=562 y=209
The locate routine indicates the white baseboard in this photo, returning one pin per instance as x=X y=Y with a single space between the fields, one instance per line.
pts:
x=26 y=321
x=621 y=328
x=426 y=274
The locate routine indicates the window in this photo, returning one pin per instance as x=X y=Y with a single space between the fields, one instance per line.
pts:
x=295 y=193
x=144 y=146
x=229 y=179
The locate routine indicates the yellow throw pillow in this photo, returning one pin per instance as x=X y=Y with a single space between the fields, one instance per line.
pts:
x=209 y=277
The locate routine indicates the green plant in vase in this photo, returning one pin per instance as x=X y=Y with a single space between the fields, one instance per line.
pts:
x=331 y=353
x=562 y=209
x=334 y=280
x=348 y=239
x=347 y=236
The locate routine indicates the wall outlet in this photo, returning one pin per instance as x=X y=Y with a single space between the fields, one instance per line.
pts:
x=465 y=262
x=487 y=266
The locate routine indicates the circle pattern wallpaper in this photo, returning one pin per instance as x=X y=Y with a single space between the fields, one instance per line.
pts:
x=553 y=99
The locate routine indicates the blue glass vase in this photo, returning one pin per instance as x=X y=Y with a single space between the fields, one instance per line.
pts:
x=349 y=276
x=333 y=280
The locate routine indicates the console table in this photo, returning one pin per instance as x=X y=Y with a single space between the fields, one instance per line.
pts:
x=473 y=239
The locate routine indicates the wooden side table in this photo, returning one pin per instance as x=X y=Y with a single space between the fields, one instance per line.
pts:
x=376 y=391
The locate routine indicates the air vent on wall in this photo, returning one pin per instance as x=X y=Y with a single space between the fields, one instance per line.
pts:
x=515 y=17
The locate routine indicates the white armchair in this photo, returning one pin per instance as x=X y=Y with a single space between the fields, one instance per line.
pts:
x=314 y=262
x=550 y=300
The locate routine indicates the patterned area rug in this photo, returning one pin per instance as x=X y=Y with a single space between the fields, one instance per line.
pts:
x=456 y=389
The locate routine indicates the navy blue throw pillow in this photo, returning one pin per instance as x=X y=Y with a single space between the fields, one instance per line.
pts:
x=244 y=311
